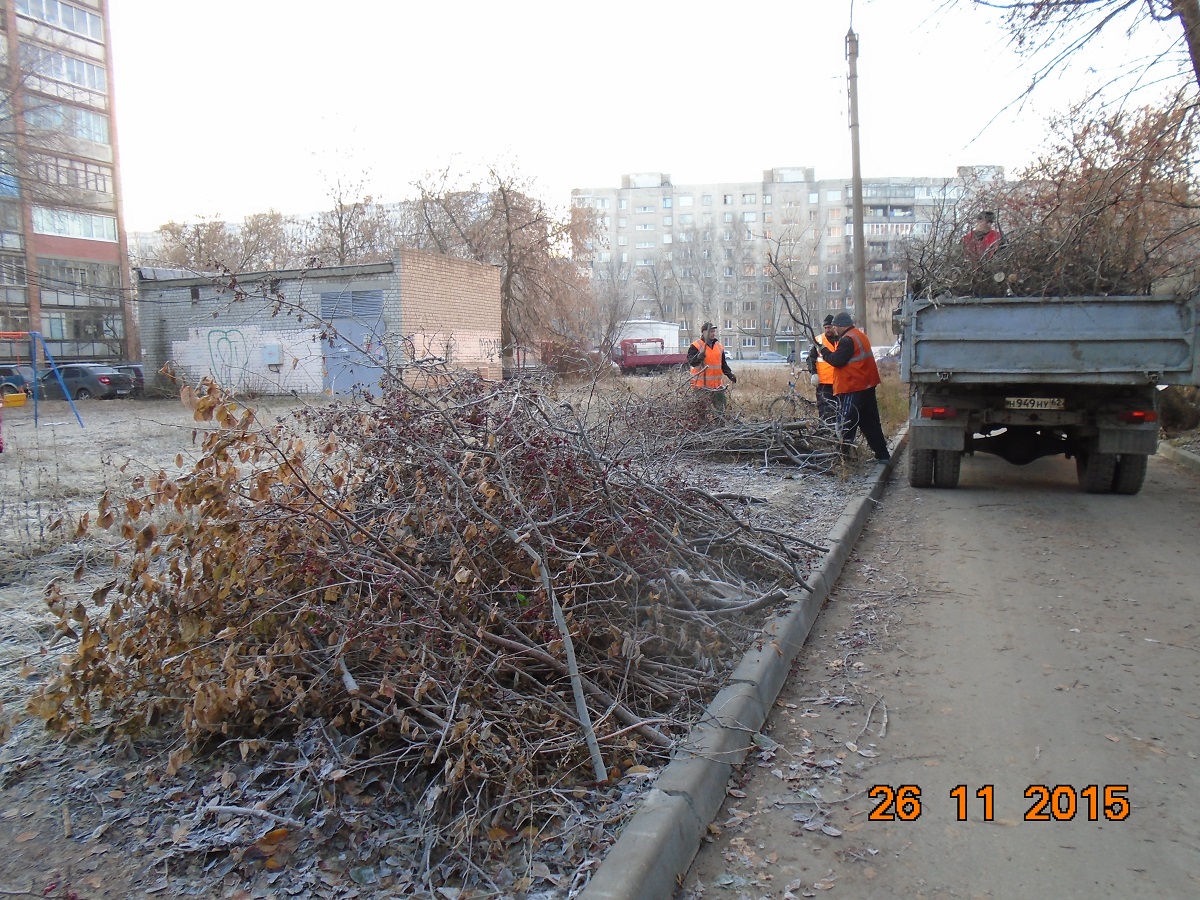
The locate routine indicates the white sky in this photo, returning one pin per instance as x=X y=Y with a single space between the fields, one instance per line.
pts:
x=231 y=107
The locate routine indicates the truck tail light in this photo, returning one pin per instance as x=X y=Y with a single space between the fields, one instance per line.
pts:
x=939 y=412
x=1138 y=416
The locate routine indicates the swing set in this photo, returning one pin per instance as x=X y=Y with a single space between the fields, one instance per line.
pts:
x=35 y=340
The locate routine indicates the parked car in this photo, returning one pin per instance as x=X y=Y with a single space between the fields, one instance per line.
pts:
x=14 y=379
x=137 y=374
x=772 y=357
x=84 y=380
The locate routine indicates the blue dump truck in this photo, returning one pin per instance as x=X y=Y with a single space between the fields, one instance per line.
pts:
x=1025 y=377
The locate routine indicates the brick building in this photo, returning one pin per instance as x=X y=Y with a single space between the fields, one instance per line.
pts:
x=321 y=330
x=64 y=270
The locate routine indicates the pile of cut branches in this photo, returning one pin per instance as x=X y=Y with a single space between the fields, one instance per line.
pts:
x=488 y=600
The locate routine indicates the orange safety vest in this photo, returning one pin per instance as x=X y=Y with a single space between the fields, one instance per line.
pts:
x=825 y=372
x=708 y=375
x=861 y=372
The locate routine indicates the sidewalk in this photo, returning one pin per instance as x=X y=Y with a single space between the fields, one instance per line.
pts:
x=658 y=844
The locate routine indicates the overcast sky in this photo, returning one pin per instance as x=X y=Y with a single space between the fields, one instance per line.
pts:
x=231 y=107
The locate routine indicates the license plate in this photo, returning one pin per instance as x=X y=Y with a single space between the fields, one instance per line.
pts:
x=1035 y=403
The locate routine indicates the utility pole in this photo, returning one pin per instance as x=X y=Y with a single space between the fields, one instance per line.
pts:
x=860 y=250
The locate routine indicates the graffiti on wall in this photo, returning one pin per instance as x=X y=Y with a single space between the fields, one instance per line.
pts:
x=228 y=356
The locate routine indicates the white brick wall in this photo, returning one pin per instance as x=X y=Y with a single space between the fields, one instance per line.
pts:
x=204 y=327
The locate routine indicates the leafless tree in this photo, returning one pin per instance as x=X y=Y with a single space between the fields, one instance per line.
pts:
x=1056 y=29
x=500 y=220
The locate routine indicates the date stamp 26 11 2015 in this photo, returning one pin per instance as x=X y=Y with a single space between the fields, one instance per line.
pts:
x=1060 y=803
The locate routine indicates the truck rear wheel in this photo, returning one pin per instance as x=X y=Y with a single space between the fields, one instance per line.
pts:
x=1130 y=473
x=920 y=468
x=1096 y=471
x=946 y=466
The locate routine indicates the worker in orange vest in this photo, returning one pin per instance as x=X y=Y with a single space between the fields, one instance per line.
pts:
x=855 y=378
x=707 y=358
x=822 y=373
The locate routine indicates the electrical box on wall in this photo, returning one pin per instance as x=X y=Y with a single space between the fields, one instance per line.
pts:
x=272 y=354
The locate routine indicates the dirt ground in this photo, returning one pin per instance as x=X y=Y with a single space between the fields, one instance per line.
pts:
x=1010 y=634
x=58 y=800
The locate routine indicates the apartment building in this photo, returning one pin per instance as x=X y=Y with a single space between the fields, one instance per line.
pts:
x=64 y=269
x=690 y=253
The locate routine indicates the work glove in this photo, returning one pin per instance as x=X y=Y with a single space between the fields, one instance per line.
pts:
x=815 y=379
x=732 y=378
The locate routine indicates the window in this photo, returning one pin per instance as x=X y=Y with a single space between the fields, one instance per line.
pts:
x=834 y=231
x=622 y=240
x=833 y=196
x=834 y=285
x=685 y=199
x=645 y=245
x=70 y=223
x=605 y=257
x=645 y=261
x=623 y=203
x=707 y=200
x=767 y=218
x=65 y=16
x=64 y=68
x=666 y=202
x=749 y=217
x=749 y=198
x=728 y=323
x=728 y=217
x=728 y=253
x=54 y=327
x=666 y=221
x=749 y=342
x=833 y=269
x=727 y=234
x=686 y=219
x=727 y=199
x=624 y=257
x=666 y=238
x=814 y=270
x=601 y=203
x=644 y=209
x=606 y=221
x=814 y=197
x=644 y=226
x=12 y=271
x=766 y=199
x=72 y=283
x=727 y=271
x=749 y=271
x=72 y=121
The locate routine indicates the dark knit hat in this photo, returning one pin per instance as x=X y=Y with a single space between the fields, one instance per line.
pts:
x=828 y=320
x=843 y=320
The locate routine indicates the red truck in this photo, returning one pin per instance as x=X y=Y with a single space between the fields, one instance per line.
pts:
x=647 y=356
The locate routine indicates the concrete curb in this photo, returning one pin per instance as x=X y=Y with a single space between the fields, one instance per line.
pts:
x=658 y=844
x=1185 y=458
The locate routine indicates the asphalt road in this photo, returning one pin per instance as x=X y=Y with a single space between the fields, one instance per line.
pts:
x=1014 y=637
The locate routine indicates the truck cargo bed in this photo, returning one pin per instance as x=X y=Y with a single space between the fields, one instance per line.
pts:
x=1074 y=340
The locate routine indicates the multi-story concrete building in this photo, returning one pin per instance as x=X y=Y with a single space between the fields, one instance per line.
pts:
x=64 y=269
x=723 y=252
